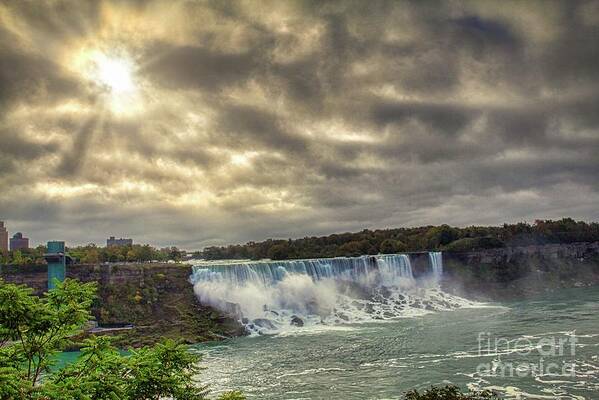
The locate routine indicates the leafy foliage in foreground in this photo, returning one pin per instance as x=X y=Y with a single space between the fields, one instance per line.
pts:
x=449 y=392
x=33 y=330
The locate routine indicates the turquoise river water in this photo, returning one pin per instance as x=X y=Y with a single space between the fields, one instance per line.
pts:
x=540 y=348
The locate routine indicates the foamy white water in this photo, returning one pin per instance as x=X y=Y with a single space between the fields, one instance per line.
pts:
x=278 y=296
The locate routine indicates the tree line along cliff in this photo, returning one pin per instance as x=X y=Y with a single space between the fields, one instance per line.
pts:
x=443 y=237
x=397 y=240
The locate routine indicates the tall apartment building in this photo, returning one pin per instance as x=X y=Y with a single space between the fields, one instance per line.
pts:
x=18 y=242
x=3 y=238
x=111 y=241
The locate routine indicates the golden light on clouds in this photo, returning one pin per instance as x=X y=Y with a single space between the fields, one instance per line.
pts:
x=226 y=120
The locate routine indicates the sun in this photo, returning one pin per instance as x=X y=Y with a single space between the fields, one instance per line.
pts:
x=113 y=76
x=116 y=74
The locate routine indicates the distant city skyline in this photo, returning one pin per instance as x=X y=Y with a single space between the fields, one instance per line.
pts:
x=195 y=123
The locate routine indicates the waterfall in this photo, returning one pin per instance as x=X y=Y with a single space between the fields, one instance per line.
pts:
x=386 y=268
x=436 y=262
x=270 y=296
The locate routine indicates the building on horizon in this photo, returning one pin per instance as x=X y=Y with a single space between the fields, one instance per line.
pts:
x=3 y=238
x=111 y=241
x=18 y=242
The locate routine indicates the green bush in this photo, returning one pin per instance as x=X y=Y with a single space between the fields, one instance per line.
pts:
x=469 y=244
x=33 y=330
x=449 y=392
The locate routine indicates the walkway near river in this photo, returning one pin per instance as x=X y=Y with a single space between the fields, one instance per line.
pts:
x=99 y=329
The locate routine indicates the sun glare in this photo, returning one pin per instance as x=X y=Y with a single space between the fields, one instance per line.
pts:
x=116 y=74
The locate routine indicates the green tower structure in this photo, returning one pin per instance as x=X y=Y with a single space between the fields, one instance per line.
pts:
x=57 y=260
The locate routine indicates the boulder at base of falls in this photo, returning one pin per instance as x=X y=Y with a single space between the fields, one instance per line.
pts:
x=343 y=316
x=264 y=323
x=297 y=321
x=233 y=310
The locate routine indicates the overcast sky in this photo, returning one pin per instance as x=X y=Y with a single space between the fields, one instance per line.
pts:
x=197 y=123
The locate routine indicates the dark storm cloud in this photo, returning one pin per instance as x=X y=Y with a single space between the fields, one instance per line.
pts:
x=444 y=119
x=582 y=110
x=572 y=57
x=289 y=118
x=252 y=127
x=25 y=76
x=20 y=149
x=198 y=67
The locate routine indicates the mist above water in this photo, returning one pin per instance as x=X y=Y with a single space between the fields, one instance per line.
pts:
x=276 y=296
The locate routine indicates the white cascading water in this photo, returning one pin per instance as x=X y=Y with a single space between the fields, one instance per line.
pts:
x=436 y=261
x=274 y=296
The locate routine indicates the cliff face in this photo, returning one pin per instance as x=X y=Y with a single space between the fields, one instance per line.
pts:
x=505 y=273
x=157 y=299
x=34 y=276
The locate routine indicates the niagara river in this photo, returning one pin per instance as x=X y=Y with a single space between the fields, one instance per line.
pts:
x=372 y=327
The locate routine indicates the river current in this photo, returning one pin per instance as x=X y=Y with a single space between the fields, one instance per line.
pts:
x=539 y=348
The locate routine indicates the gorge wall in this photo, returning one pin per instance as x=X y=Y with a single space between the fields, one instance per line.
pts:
x=510 y=272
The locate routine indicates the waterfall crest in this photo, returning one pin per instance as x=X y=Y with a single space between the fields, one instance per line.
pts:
x=272 y=296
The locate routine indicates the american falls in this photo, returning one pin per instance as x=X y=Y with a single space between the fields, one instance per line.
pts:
x=275 y=296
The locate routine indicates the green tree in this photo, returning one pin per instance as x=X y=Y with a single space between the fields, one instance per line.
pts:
x=132 y=255
x=34 y=329
x=388 y=246
x=400 y=246
x=39 y=327
x=17 y=257
x=4 y=259
x=279 y=251
x=441 y=235
x=449 y=392
x=91 y=255
x=173 y=253
x=350 y=249
x=146 y=253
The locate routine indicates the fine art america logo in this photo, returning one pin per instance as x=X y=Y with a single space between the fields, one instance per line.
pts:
x=545 y=356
